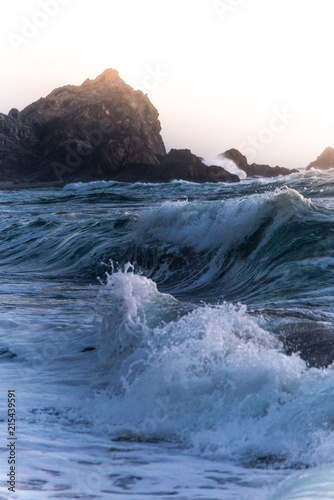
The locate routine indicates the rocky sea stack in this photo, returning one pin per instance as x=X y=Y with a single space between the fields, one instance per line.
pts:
x=254 y=170
x=325 y=161
x=100 y=130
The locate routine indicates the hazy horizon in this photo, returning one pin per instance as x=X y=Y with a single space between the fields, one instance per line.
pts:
x=221 y=73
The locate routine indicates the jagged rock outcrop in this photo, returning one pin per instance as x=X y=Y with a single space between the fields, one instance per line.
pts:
x=178 y=164
x=85 y=133
x=325 y=161
x=100 y=130
x=17 y=148
x=254 y=170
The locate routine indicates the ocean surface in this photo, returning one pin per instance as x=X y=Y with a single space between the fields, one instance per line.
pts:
x=169 y=341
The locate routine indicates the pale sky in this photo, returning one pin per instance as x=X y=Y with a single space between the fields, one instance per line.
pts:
x=252 y=74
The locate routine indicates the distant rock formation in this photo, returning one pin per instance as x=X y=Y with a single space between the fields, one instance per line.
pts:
x=84 y=132
x=100 y=130
x=254 y=170
x=325 y=161
x=178 y=164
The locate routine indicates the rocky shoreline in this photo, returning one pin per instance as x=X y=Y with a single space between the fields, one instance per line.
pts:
x=254 y=170
x=325 y=161
x=100 y=130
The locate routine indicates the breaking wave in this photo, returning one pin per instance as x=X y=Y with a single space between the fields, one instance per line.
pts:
x=208 y=377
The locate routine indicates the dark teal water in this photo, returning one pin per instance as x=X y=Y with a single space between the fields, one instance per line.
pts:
x=199 y=318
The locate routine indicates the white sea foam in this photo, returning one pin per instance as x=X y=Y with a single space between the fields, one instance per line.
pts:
x=212 y=378
x=205 y=381
x=205 y=226
x=227 y=164
x=312 y=484
x=88 y=186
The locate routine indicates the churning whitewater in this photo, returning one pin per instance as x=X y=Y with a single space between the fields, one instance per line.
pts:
x=171 y=339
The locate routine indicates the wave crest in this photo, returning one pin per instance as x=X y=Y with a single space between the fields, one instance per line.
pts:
x=210 y=377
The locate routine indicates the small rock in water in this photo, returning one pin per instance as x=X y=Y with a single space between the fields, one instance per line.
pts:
x=7 y=354
x=87 y=349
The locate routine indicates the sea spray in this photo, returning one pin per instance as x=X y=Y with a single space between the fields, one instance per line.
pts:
x=174 y=370
x=232 y=390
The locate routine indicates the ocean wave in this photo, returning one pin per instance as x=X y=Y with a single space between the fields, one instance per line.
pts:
x=238 y=249
x=252 y=248
x=208 y=377
x=88 y=186
x=310 y=484
x=206 y=226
